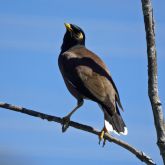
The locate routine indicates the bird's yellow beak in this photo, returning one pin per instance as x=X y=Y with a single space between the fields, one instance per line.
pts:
x=68 y=26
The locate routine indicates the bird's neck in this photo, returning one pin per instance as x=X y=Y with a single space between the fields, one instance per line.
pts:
x=67 y=45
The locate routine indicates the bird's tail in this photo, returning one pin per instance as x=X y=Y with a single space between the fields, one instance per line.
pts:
x=114 y=123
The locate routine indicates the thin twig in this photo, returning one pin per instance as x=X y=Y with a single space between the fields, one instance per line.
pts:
x=139 y=154
x=152 y=75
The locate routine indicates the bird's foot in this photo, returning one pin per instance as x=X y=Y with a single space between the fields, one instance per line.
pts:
x=101 y=136
x=65 y=123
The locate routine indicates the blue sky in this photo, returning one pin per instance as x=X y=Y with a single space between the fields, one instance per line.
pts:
x=31 y=34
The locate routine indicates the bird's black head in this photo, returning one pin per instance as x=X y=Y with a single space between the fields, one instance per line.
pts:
x=74 y=36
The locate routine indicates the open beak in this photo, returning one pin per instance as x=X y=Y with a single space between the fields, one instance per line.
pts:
x=68 y=27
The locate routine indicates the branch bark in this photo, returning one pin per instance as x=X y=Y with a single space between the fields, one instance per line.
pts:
x=139 y=154
x=152 y=76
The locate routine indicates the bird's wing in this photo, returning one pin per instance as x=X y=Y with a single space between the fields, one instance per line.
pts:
x=92 y=81
x=99 y=86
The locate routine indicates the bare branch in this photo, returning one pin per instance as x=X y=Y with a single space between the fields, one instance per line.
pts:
x=152 y=76
x=139 y=154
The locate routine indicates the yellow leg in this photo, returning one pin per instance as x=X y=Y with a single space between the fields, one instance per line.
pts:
x=101 y=136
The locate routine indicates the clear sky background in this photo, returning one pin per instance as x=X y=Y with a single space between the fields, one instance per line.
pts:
x=31 y=34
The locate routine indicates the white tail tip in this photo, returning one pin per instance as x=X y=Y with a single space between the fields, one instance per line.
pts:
x=125 y=131
x=110 y=129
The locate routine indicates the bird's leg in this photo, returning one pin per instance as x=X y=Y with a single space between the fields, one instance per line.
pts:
x=66 y=119
x=101 y=135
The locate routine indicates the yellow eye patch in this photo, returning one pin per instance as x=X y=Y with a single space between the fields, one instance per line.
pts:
x=80 y=36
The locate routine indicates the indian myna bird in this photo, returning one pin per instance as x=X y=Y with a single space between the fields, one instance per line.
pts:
x=87 y=77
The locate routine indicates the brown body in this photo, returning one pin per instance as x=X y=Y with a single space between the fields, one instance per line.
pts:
x=86 y=76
